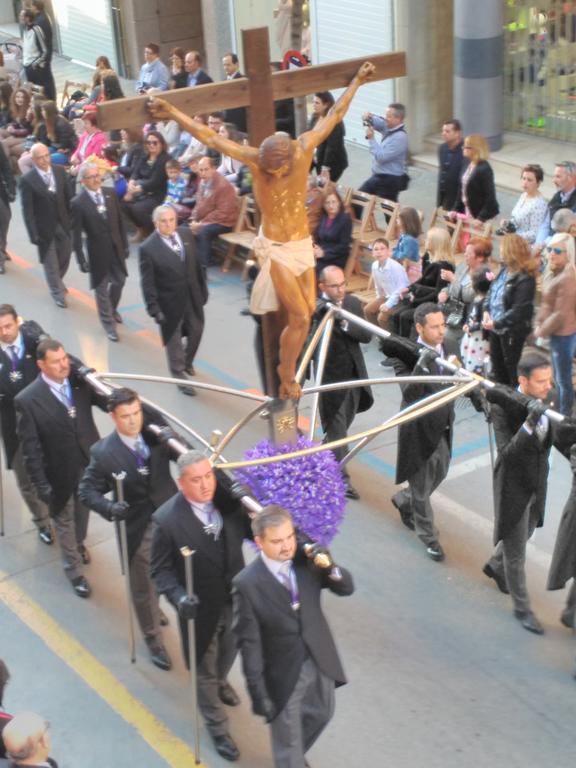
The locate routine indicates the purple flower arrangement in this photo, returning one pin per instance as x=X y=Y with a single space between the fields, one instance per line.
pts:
x=309 y=487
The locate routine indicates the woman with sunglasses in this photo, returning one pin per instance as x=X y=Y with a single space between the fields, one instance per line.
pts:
x=509 y=307
x=556 y=317
x=147 y=185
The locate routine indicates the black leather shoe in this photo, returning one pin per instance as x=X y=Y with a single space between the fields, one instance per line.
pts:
x=113 y=336
x=191 y=371
x=435 y=552
x=226 y=747
x=405 y=514
x=498 y=578
x=228 y=695
x=61 y=303
x=245 y=312
x=84 y=554
x=190 y=391
x=567 y=618
x=351 y=492
x=529 y=622
x=81 y=586
x=163 y=619
x=159 y=656
x=45 y=535
x=118 y=317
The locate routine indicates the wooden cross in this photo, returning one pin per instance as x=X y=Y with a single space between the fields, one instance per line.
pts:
x=257 y=91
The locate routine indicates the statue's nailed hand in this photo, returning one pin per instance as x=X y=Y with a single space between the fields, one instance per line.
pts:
x=159 y=109
x=366 y=71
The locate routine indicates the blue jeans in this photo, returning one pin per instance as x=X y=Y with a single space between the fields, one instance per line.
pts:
x=563 y=348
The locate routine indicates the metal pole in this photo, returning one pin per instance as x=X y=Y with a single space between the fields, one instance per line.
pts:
x=119 y=478
x=187 y=554
x=322 y=355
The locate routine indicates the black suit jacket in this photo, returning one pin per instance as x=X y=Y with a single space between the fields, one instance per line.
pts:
x=203 y=78
x=170 y=284
x=214 y=563
x=32 y=334
x=452 y=164
x=331 y=152
x=238 y=115
x=274 y=640
x=335 y=240
x=43 y=209
x=105 y=235
x=481 y=193
x=345 y=359
x=56 y=447
x=143 y=492
x=7 y=182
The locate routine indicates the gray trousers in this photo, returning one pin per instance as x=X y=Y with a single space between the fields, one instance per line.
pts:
x=339 y=423
x=569 y=612
x=107 y=294
x=181 y=350
x=56 y=263
x=144 y=595
x=213 y=670
x=305 y=715
x=71 y=525
x=39 y=510
x=509 y=557
x=421 y=485
x=5 y=216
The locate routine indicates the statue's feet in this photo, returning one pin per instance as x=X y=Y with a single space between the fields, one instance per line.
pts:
x=289 y=390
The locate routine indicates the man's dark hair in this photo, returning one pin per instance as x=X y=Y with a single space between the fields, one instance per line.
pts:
x=47 y=345
x=38 y=4
x=218 y=115
x=233 y=57
x=399 y=109
x=271 y=516
x=122 y=396
x=456 y=124
x=421 y=312
x=154 y=47
x=8 y=309
x=530 y=362
x=381 y=240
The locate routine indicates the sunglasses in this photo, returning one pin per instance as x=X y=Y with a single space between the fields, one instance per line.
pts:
x=557 y=251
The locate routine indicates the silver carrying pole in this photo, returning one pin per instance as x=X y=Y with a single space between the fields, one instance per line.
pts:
x=119 y=478
x=187 y=554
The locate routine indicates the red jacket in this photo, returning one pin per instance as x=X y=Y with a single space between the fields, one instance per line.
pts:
x=219 y=205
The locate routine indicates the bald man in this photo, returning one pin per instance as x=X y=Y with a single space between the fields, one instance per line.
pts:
x=27 y=741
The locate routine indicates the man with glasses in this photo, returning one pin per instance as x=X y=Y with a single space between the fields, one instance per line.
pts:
x=344 y=362
x=565 y=181
x=153 y=73
x=96 y=213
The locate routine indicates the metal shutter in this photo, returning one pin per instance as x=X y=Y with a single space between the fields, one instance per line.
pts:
x=346 y=29
x=86 y=30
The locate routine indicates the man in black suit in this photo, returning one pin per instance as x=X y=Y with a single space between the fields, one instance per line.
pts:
x=451 y=165
x=425 y=443
x=205 y=517
x=7 y=196
x=344 y=362
x=289 y=657
x=96 y=212
x=196 y=75
x=236 y=116
x=27 y=739
x=524 y=437
x=174 y=289
x=45 y=196
x=56 y=429
x=18 y=342
x=144 y=462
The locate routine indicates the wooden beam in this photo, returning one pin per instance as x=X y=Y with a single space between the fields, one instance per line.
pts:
x=256 y=47
x=131 y=112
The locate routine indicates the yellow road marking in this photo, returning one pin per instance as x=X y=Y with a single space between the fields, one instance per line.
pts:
x=173 y=750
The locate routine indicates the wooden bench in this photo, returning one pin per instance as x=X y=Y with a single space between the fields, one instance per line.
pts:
x=243 y=234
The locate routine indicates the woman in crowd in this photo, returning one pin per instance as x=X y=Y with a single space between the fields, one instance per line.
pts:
x=178 y=75
x=90 y=143
x=331 y=154
x=229 y=167
x=57 y=133
x=477 y=190
x=509 y=307
x=407 y=249
x=131 y=150
x=530 y=210
x=437 y=262
x=147 y=185
x=194 y=149
x=5 y=97
x=14 y=135
x=333 y=237
x=457 y=297
x=556 y=317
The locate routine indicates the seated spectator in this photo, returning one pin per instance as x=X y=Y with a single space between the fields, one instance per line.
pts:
x=215 y=121
x=90 y=143
x=147 y=185
x=27 y=741
x=153 y=73
x=195 y=75
x=244 y=181
x=170 y=130
x=176 y=189
x=14 y=135
x=131 y=150
x=333 y=237
x=389 y=278
x=331 y=154
x=56 y=133
x=216 y=209
x=437 y=261
x=314 y=202
x=530 y=210
x=178 y=75
x=194 y=148
x=4 y=716
x=407 y=249
x=5 y=97
x=229 y=167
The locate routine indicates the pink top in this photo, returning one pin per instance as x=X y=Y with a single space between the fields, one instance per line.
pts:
x=89 y=144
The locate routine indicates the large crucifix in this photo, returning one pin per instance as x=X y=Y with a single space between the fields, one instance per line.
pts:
x=279 y=168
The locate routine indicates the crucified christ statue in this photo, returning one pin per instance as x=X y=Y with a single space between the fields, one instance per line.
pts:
x=280 y=168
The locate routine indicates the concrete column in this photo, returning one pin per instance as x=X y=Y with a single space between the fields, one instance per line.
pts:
x=478 y=67
x=218 y=36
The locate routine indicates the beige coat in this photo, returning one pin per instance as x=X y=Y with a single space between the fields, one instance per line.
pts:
x=557 y=313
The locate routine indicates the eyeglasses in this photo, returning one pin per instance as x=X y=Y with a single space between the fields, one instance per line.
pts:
x=337 y=286
x=91 y=176
x=557 y=251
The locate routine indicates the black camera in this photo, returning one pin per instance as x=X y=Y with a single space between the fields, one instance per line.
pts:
x=507 y=229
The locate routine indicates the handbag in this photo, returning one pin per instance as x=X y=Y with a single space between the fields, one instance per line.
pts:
x=455 y=310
